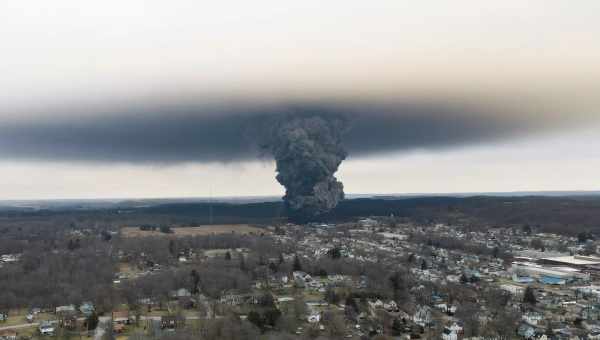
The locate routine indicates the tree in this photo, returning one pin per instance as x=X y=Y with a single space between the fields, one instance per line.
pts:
x=91 y=322
x=503 y=325
x=255 y=318
x=106 y=236
x=321 y=272
x=72 y=245
x=529 y=296
x=469 y=314
x=297 y=266
x=267 y=300
x=299 y=307
x=195 y=281
x=165 y=229
x=536 y=243
x=335 y=253
x=336 y=325
x=584 y=236
x=271 y=316
x=397 y=327
x=331 y=296
x=242 y=263
x=495 y=252
x=399 y=286
x=172 y=248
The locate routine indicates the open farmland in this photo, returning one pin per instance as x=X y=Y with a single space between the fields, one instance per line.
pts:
x=195 y=231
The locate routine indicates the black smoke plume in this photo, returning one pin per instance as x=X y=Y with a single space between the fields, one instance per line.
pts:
x=308 y=151
x=304 y=138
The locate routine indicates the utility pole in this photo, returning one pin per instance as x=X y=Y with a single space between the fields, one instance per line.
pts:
x=210 y=206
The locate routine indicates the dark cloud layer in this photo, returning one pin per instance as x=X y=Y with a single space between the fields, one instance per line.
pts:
x=190 y=133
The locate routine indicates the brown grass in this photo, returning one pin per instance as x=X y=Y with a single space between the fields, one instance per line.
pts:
x=195 y=231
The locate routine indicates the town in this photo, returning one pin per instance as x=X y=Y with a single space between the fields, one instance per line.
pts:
x=375 y=277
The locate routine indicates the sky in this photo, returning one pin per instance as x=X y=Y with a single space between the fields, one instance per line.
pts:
x=153 y=99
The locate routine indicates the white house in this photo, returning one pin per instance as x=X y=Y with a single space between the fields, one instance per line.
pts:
x=46 y=328
x=449 y=334
x=314 y=318
x=422 y=316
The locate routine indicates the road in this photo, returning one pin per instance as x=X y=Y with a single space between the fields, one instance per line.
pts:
x=24 y=325
x=101 y=329
x=103 y=322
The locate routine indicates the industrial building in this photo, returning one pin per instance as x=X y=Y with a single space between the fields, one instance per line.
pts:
x=555 y=275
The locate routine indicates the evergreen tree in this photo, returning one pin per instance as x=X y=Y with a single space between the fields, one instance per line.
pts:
x=242 y=263
x=397 y=327
x=255 y=318
x=195 y=281
x=529 y=296
x=495 y=252
x=335 y=253
x=91 y=322
x=172 y=248
x=297 y=266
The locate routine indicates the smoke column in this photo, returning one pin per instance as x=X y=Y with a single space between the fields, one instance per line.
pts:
x=308 y=151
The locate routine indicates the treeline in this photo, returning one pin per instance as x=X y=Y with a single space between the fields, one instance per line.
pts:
x=53 y=278
x=569 y=215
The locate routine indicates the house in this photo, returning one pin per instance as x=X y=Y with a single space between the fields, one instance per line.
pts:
x=449 y=334
x=284 y=299
x=551 y=280
x=526 y=331
x=301 y=278
x=373 y=305
x=314 y=318
x=422 y=316
x=67 y=316
x=68 y=321
x=368 y=223
x=457 y=328
x=391 y=306
x=595 y=335
x=180 y=293
x=149 y=303
x=533 y=318
x=8 y=335
x=86 y=308
x=315 y=284
x=121 y=316
x=231 y=299
x=445 y=308
x=120 y=319
x=522 y=279
x=172 y=322
x=46 y=328
x=69 y=309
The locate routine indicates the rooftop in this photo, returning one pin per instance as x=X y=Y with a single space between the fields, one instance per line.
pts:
x=575 y=260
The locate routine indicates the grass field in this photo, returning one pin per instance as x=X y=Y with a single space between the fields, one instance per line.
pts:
x=194 y=231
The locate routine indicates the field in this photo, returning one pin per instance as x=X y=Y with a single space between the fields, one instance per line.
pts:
x=195 y=231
